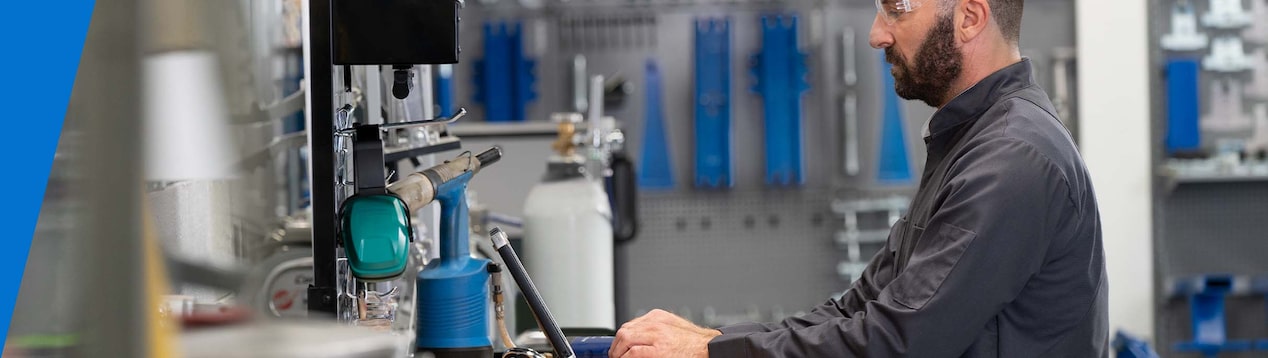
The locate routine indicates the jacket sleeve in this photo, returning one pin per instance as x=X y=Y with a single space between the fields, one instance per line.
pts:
x=984 y=241
x=878 y=274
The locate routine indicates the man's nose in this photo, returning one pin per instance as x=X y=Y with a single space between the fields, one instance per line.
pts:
x=880 y=37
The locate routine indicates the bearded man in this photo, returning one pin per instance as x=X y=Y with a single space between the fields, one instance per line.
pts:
x=1000 y=254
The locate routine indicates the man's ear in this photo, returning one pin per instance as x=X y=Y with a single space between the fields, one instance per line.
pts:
x=972 y=18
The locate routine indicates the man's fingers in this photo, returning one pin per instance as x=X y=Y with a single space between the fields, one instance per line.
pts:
x=639 y=352
x=629 y=336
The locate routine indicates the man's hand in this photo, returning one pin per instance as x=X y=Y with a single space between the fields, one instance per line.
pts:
x=660 y=334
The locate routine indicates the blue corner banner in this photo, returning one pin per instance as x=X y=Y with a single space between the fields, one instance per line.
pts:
x=42 y=42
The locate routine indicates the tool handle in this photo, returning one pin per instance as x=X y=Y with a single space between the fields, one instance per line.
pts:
x=534 y=298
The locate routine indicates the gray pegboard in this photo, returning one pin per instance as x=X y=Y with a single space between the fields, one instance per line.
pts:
x=1215 y=228
x=734 y=250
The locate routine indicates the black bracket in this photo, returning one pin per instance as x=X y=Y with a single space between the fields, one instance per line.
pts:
x=367 y=158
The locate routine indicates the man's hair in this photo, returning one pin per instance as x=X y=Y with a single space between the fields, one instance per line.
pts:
x=1007 y=14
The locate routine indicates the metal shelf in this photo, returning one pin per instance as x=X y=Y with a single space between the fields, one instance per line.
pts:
x=1218 y=178
x=522 y=129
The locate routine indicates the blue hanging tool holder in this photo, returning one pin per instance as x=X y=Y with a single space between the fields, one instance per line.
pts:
x=656 y=169
x=894 y=166
x=444 y=88
x=780 y=73
x=1206 y=303
x=713 y=103
x=1183 y=110
x=504 y=78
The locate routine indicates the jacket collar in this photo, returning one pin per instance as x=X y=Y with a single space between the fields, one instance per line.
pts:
x=970 y=104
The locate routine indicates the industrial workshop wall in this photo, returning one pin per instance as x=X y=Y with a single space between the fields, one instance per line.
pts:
x=750 y=252
x=1209 y=150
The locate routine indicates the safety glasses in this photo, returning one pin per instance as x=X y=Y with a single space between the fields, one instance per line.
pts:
x=891 y=10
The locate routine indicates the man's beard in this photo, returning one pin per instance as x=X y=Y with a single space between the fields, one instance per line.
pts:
x=938 y=64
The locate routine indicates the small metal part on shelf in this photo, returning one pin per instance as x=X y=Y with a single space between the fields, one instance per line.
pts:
x=1228 y=54
x=1227 y=14
x=1184 y=34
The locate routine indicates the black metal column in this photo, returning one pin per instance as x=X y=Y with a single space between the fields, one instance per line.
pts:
x=322 y=294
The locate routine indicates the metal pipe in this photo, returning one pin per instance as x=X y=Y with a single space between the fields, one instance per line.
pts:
x=105 y=99
x=319 y=67
x=462 y=112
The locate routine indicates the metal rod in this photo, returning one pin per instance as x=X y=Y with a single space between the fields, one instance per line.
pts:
x=462 y=112
x=322 y=149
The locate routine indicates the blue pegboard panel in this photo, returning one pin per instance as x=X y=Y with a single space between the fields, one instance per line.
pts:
x=504 y=78
x=1183 y=111
x=656 y=169
x=1206 y=303
x=780 y=73
x=713 y=103
x=894 y=165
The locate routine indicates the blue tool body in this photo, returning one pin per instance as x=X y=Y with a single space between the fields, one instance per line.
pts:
x=656 y=169
x=1183 y=111
x=453 y=291
x=713 y=103
x=591 y=347
x=504 y=78
x=780 y=70
x=894 y=166
x=1206 y=302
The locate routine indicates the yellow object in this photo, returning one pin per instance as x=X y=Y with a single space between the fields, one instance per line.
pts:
x=161 y=330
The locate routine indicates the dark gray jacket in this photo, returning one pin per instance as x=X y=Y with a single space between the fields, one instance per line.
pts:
x=999 y=256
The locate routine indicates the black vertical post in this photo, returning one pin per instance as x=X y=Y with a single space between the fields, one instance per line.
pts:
x=321 y=295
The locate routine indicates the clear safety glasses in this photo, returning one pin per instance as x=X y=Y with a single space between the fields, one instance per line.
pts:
x=891 y=10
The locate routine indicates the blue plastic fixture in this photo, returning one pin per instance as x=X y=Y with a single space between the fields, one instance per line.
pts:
x=504 y=78
x=894 y=166
x=1206 y=303
x=654 y=161
x=713 y=103
x=780 y=71
x=453 y=291
x=1183 y=111
x=1128 y=346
